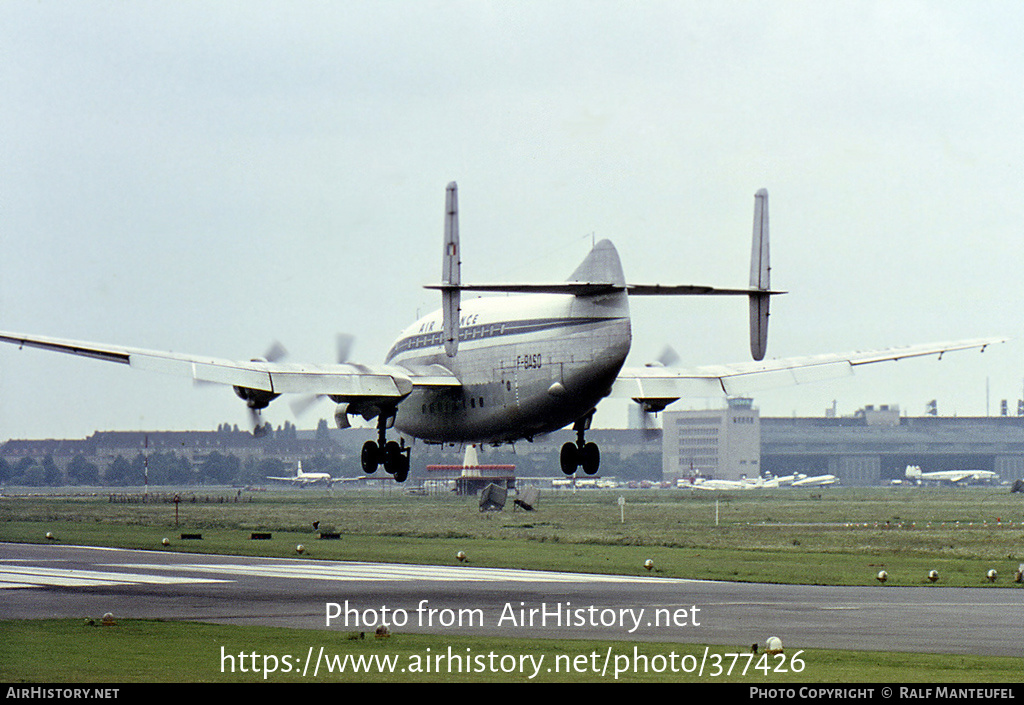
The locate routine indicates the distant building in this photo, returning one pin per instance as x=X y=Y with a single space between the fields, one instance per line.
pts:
x=872 y=447
x=724 y=444
x=103 y=447
x=876 y=445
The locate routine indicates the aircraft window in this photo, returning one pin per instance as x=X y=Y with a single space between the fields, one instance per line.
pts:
x=508 y=386
x=481 y=402
x=472 y=402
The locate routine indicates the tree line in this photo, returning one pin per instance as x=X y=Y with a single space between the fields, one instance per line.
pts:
x=161 y=468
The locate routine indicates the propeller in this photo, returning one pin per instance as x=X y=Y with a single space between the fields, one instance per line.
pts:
x=343 y=343
x=256 y=399
x=668 y=358
x=275 y=353
x=649 y=408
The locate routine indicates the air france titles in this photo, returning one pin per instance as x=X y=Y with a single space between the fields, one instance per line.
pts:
x=563 y=614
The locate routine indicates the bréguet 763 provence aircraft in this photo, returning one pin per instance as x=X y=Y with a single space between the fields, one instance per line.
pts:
x=500 y=369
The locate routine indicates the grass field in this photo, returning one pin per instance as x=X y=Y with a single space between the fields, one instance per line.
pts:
x=145 y=651
x=840 y=536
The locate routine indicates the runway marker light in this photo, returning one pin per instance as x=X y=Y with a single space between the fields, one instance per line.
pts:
x=108 y=619
x=648 y=564
x=992 y=575
x=50 y=536
x=461 y=555
x=882 y=576
x=773 y=646
x=933 y=575
x=300 y=548
x=165 y=541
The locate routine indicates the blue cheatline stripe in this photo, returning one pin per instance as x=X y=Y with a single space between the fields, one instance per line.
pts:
x=492 y=330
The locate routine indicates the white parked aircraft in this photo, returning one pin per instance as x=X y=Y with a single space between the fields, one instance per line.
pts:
x=816 y=481
x=758 y=483
x=501 y=369
x=305 y=478
x=954 y=477
x=709 y=484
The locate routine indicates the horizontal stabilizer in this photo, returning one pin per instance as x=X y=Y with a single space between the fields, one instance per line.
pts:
x=599 y=288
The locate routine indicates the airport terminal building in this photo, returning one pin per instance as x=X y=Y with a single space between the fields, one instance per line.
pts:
x=872 y=447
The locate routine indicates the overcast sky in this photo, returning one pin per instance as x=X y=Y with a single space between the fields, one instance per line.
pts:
x=211 y=177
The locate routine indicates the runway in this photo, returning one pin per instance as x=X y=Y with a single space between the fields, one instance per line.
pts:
x=46 y=581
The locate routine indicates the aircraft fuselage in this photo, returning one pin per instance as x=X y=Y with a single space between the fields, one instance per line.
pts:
x=529 y=364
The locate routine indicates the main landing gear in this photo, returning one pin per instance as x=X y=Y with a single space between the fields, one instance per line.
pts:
x=581 y=453
x=394 y=456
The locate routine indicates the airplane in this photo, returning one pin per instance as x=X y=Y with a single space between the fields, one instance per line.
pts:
x=501 y=369
x=771 y=481
x=305 y=478
x=757 y=483
x=713 y=485
x=954 y=477
x=816 y=481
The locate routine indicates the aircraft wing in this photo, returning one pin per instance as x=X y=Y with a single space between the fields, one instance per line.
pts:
x=662 y=385
x=344 y=381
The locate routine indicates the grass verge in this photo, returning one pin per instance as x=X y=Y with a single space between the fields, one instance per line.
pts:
x=143 y=651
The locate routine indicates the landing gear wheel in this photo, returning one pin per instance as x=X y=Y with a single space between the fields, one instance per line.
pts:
x=369 y=457
x=392 y=457
x=569 y=458
x=402 y=472
x=396 y=460
x=590 y=458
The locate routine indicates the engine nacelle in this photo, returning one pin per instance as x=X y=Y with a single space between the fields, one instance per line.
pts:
x=255 y=398
x=654 y=406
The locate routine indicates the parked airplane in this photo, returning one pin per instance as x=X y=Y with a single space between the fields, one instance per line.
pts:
x=501 y=369
x=710 y=484
x=816 y=481
x=305 y=478
x=954 y=477
x=757 y=483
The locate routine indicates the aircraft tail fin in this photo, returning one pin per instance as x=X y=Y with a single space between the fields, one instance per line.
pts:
x=451 y=276
x=600 y=266
x=760 y=271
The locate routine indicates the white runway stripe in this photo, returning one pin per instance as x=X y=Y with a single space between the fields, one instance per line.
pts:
x=34 y=576
x=395 y=572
